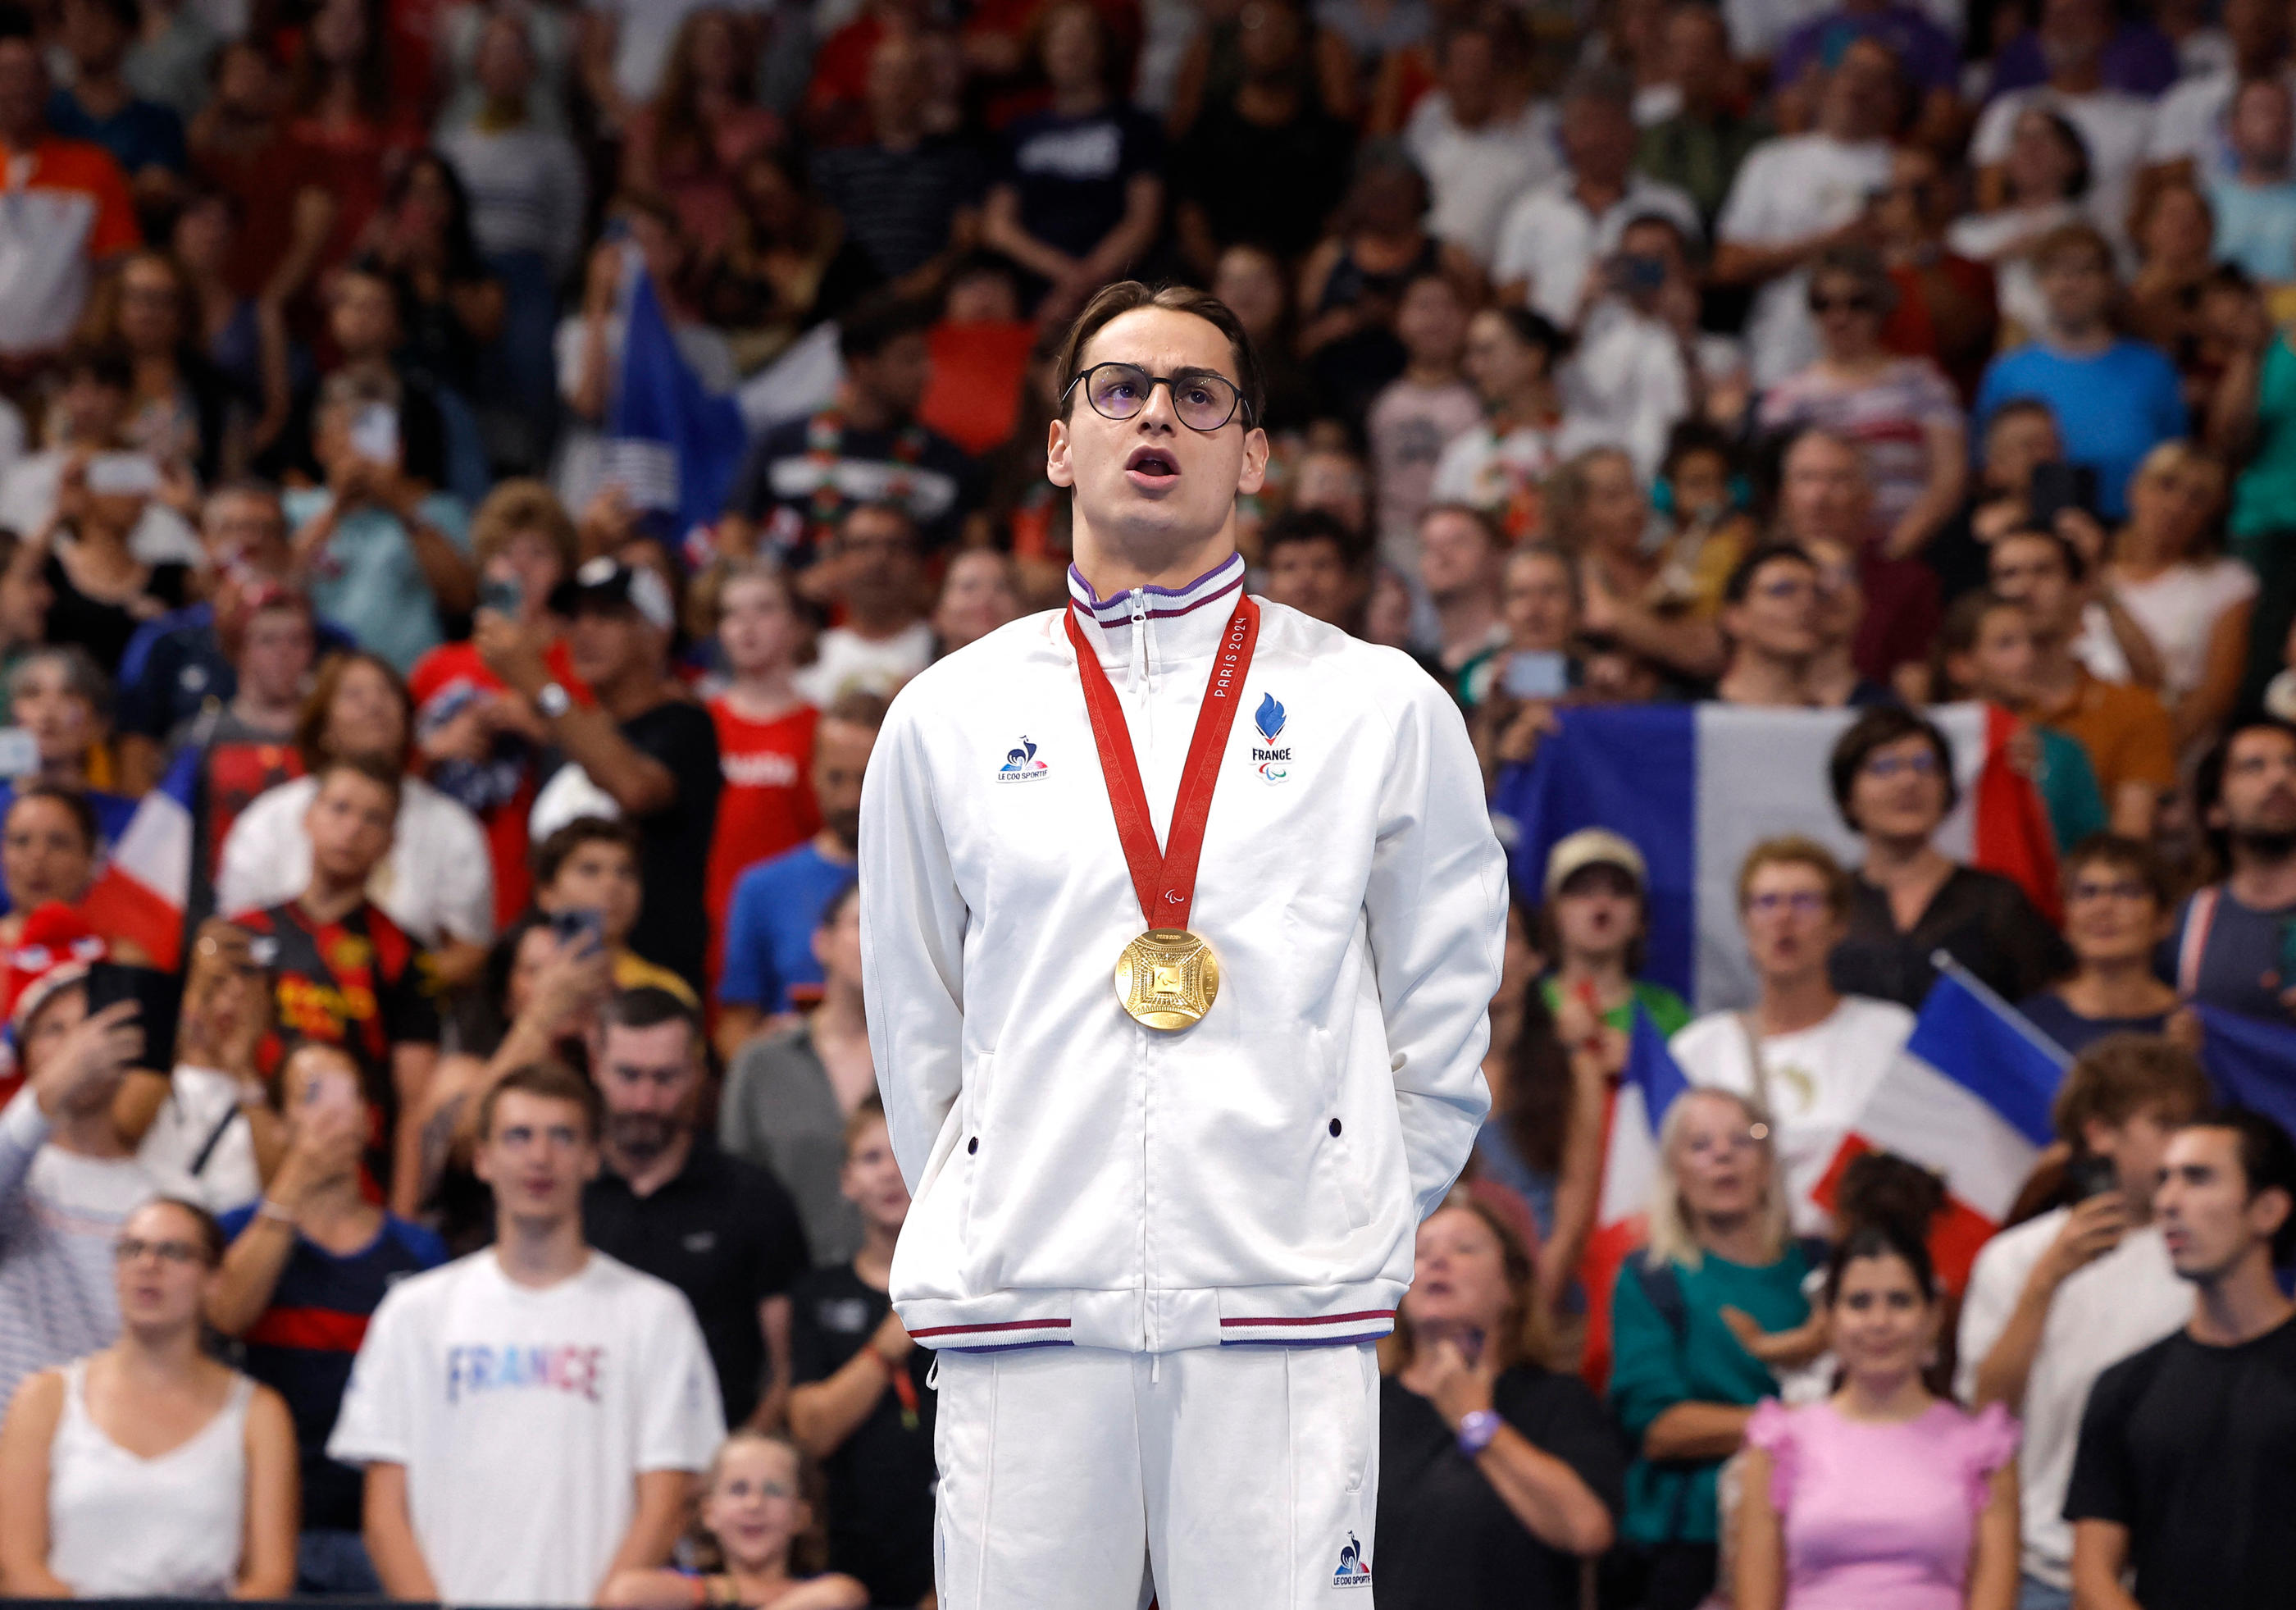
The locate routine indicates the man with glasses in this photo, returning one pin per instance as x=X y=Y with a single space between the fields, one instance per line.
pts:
x=2119 y=898
x=1168 y=1181
x=1804 y=1052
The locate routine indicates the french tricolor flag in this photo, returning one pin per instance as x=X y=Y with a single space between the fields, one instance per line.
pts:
x=141 y=892
x=1631 y=1123
x=1696 y=786
x=1968 y=1098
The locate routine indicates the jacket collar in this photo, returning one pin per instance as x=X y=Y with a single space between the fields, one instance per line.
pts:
x=1182 y=621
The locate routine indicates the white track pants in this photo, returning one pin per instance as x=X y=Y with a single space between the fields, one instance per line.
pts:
x=1214 y=1478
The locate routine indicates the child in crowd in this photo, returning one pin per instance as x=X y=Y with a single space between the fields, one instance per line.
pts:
x=754 y=1537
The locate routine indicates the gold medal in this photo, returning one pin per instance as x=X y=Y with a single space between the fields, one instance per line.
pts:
x=1168 y=978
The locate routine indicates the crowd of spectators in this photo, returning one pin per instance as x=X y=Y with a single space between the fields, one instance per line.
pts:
x=437 y=1101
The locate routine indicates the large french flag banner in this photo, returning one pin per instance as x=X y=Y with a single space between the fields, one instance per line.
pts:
x=1968 y=1098
x=141 y=892
x=1637 y=1111
x=2252 y=1062
x=1695 y=786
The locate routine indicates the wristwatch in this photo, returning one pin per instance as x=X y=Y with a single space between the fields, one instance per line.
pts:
x=553 y=700
x=1477 y=1427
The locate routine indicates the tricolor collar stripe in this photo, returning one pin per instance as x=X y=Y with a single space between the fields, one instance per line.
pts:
x=1166 y=603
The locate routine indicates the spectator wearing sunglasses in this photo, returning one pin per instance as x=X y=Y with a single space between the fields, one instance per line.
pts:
x=1893 y=784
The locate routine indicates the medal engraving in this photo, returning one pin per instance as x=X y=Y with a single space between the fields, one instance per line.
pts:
x=1168 y=978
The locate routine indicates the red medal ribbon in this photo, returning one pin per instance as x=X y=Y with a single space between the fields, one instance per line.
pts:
x=1165 y=879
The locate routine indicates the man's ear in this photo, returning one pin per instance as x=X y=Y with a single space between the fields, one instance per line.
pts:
x=1057 y=469
x=1254 y=473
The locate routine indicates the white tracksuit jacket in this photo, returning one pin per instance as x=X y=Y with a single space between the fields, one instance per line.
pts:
x=1259 y=1177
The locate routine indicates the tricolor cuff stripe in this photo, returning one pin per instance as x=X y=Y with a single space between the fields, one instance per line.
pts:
x=1360 y=1314
x=983 y=1330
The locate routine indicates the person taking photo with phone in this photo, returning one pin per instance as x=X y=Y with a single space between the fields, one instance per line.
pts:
x=306 y=1267
x=2054 y=1302
x=589 y=881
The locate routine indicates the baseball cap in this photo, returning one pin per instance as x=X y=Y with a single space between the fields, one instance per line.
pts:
x=1593 y=847
x=607 y=580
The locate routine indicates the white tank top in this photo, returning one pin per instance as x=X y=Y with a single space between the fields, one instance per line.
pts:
x=121 y=1526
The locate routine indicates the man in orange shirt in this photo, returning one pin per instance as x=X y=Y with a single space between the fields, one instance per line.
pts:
x=64 y=206
x=2125 y=728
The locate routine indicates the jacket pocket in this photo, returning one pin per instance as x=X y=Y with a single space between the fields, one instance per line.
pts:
x=967 y=1160
x=1339 y=1153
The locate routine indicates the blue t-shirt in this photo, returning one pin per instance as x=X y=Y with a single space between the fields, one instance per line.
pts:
x=302 y=1346
x=367 y=579
x=2111 y=409
x=141 y=134
x=2048 y=1012
x=2256 y=228
x=777 y=905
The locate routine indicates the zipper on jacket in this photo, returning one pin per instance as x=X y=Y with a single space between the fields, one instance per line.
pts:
x=1139 y=680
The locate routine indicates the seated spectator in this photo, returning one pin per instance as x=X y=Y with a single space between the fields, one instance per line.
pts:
x=1797 y=195
x=1496 y=467
x=789 y=1092
x=1539 y=601
x=480 y=743
x=59 y=698
x=149 y=1469
x=1268 y=158
x=587 y=879
x=981 y=349
x=764 y=728
x=871 y=572
x=1900 y=413
x=910 y=197
x=2189 y=1447
x=2133 y=56
x=2125 y=730
x=645 y=745
x=1598 y=905
x=1947 y=310
x=2044 y=175
x=1823 y=494
x=1460 y=553
x=2230 y=945
x=1421 y=411
x=388 y=556
x=979 y=593
x=437 y=883
x=1252 y=280
x=1882 y=1493
x=77 y=212
x=863 y=1401
x=315 y=1246
x=49 y=857
x=459 y=1507
x=1805 y=1052
x=1498 y=1475
x=343 y=108
x=1080 y=190
x=1317 y=565
x=2189 y=122
x=1641 y=364
x=1927 y=54
x=242 y=145
x=1832 y=679
x=1769 y=628
x=1986 y=651
x=2054 y=1301
x=803 y=477
x=1555 y=239
x=790 y=261
x=2114 y=399
x=2175 y=231
x=2256 y=203
x=2019 y=437
x=1595 y=509
x=2192 y=603
x=1681 y=1385
x=669 y=1204
x=241 y=342
x=760 y=1527
x=1478 y=135
x=2114 y=122
x=1699 y=147
x=345 y=974
x=179 y=404
x=1893 y=783
x=67 y=1184
x=701 y=125
x=1353 y=284
x=450 y=303
x=206 y=1131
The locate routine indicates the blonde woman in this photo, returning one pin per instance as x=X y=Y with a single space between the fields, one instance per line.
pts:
x=1680 y=1382
x=1498 y=1475
x=758 y=1542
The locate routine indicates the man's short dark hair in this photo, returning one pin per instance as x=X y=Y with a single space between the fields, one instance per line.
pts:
x=2076 y=567
x=877 y=321
x=1878 y=728
x=889 y=508
x=1298 y=526
x=1111 y=302
x=859 y=707
x=2123 y=854
x=2208 y=778
x=374 y=769
x=1763 y=555
x=552 y=1082
x=550 y=856
x=2267 y=1163
x=649 y=1007
x=2116 y=1078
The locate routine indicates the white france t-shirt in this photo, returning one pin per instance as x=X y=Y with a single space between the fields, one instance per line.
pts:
x=524 y=1416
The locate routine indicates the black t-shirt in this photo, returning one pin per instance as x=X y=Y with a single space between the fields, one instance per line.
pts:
x=898 y=205
x=880 y=1478
x=804 y=475
x=674 y=842
x=2193 y=1449
x=1071 y=174
x=1981 y=919
x=101 y=627
x=725 y=1234
x=1275 y=185
x=1447 y=1540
